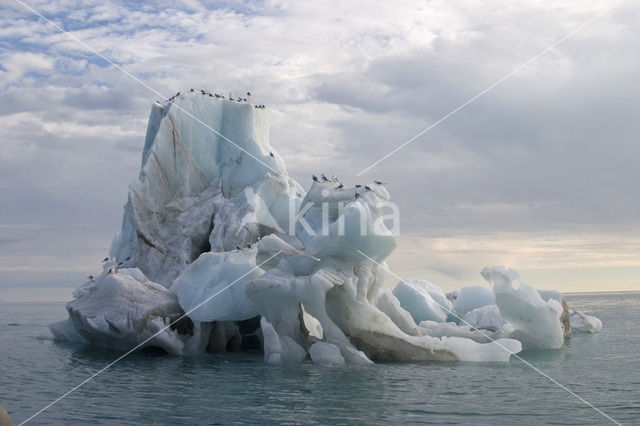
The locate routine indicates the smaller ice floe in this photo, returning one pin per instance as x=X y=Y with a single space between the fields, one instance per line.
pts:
x=423 y=300
x=536 y=323
x=472 y=297
x=123 y=309
x=327 y=354
x=583 y=322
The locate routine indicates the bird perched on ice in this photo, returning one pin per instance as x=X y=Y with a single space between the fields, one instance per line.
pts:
x=324 y=178
x=367 y=187
x=90 y=277
x=377 y=182
x=315 y=178
x=357 y=195
x=271 y=155
x=105 y=259
x=340 y=186
x=358 y=186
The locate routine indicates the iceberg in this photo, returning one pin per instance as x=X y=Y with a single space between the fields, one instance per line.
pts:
x=221 y=251
x=537 y=323
x=583 y=322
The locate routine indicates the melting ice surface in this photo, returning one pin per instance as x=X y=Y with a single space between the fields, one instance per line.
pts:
x=215 y=229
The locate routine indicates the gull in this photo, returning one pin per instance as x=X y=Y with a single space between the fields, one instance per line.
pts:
x=315 y=178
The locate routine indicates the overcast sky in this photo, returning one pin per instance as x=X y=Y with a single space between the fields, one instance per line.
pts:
x=541 y=173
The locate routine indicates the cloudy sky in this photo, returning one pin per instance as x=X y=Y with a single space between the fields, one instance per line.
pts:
x=541 y=173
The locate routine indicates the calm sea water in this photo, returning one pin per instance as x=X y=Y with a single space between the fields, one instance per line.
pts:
x=153 y=388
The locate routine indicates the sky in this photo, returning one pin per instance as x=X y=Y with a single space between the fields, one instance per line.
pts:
x=540 y=173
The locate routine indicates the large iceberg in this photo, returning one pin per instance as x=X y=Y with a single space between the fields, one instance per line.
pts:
x=220 y=250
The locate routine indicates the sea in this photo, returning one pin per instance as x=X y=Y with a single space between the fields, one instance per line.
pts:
x=599 y=370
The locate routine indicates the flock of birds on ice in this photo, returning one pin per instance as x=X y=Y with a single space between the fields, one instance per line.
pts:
x=221 y=96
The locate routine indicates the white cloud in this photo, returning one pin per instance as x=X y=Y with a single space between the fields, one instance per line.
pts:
x=553 y=148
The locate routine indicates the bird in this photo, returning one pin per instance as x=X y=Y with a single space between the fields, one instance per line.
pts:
x=367 y=187
x=357 y=195
x=238 y=247
x=192 y=90
x=177 y=94
x=248 y=93
x=271 y=154
x=334 y=179
x=324 y=178
x=128 y=257
x=315 y=178
x=210 y=95
x=248 y=245
x=298 y=195
x=120 y=263
x=109 y=271
x=339 y=186
x=105 y=259
x=203 y=92
x=377 y=182
x=358 y=186
x=90 y=277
